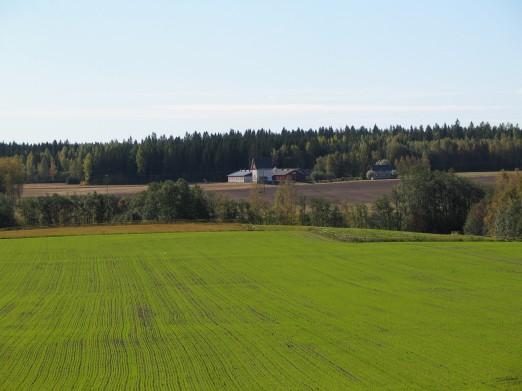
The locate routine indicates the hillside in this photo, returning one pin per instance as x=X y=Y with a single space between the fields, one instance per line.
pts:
x=275 y=309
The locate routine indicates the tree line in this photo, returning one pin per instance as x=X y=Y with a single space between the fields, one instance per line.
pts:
x=328 y=152
x=425 y=200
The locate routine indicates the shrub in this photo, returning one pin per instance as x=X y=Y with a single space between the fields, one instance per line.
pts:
x=324 y=214
x=384 y=215
x=168 y=201
x=504 y=212
x=7 y=212
x=434 y=201
x=63 y=210
x=475 y=220
x=11 y=176
x=357 y=215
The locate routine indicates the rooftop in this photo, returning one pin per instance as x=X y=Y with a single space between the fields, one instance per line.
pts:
x=241 y=173
x=283 y=171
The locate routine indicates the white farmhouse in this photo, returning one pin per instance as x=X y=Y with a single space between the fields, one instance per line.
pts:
x=241 y=176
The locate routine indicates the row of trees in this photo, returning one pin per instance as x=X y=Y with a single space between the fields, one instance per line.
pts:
x=329 y=152
x=166 y=202
x=499 y=214
x=423 y=201
x=426 y=201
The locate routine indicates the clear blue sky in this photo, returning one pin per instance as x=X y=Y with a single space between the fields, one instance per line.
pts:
x=101 y=70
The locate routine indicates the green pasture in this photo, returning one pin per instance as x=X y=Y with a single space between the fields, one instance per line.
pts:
x=252 y=310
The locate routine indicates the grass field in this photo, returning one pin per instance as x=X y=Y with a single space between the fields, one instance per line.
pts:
x=248 y=310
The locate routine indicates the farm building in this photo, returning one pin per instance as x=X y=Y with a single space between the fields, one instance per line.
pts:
x=288 y=174
x=241 y=176
x=381 y=170
x=261 y=169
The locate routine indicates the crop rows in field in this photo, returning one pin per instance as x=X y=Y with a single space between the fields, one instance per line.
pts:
x=258 y=310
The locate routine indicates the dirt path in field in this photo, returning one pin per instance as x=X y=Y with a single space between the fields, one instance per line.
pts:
x=352 y=191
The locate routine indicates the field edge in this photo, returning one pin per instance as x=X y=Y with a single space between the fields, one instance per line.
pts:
x=361 y=235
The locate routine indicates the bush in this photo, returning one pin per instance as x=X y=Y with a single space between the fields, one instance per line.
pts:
x=434 y=201
x=384 y=215
x=324 y=214
x=475 y=221
x=63 y=210
x=504 y=212
x=11 y=176
x=228 y=210
x=357 y=215
x=7 y=212
x=169 y=201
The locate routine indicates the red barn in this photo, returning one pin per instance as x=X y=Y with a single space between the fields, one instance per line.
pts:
x=288 y=174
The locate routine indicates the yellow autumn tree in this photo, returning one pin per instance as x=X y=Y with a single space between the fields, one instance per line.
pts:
x=12 y=176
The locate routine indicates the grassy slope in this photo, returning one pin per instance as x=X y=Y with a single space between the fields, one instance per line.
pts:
x=252 y=310
x=343 y=234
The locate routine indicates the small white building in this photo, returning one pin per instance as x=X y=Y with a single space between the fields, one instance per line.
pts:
x=241 y=176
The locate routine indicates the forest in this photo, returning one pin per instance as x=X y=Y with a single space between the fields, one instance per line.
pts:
x=328 y=152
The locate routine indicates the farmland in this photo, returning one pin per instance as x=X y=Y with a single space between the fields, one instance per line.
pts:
x=362 y=191
x=263 y=309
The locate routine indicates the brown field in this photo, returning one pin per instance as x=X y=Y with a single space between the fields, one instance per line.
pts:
x=120 y=229
x=362 y=191
x=352 y=191
x=45 y=189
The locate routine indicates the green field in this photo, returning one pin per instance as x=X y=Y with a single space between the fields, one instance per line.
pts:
x=249 y=310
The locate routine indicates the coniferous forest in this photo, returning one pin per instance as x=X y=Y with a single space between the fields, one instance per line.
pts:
x=328 y=152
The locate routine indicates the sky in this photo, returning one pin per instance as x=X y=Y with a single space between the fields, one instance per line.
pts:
x=101 y=70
